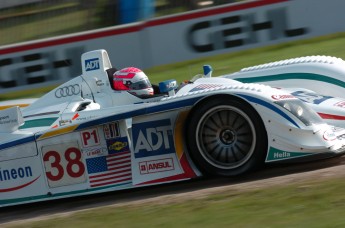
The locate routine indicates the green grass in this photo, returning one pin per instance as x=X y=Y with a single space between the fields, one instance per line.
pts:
x=309 y=204
x=26 y=93
x=233 y=61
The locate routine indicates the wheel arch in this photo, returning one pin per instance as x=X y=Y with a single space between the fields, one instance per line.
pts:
x=215 y=96
x=207 y=99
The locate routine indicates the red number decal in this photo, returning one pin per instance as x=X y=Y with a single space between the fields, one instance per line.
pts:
x=74 y=162
x=55 y=164
x=90 y=138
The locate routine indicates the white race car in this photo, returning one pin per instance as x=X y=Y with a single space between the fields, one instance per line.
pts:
x=85 y=137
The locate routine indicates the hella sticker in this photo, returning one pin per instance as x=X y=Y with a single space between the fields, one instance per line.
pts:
x=91 y=64
x=153 y=138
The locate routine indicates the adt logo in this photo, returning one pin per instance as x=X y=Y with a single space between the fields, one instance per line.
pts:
x=153 y=138
x=92 y=64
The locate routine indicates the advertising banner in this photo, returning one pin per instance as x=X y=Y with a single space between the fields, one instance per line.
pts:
x=170 y=39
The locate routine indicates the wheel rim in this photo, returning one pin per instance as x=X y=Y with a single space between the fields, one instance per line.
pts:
x=226 y=137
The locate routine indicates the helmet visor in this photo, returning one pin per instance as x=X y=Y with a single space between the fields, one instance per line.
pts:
x=142 y=84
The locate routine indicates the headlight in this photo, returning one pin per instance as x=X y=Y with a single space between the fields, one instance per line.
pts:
x=304 y=113
x=299 y=111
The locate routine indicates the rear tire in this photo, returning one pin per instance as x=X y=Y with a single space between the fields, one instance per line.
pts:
x=226 y=137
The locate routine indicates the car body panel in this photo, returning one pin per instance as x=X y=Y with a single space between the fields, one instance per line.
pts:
x=83 y=137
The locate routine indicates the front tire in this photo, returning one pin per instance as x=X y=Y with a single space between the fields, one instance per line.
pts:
x=226 y=137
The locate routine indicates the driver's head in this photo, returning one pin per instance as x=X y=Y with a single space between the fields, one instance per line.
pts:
x=133 y=80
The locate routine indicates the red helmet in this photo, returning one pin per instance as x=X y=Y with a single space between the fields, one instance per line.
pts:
x=133 y=80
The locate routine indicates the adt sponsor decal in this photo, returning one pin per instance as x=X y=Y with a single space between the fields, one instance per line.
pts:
x=92 y=64
x=153 y=138
x=155 y=166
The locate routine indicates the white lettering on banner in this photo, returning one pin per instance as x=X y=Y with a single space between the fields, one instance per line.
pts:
x=205 y=33
x=40 y=66
x=220 y=37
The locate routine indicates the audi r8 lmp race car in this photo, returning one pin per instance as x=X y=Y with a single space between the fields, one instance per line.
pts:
x=85 y=137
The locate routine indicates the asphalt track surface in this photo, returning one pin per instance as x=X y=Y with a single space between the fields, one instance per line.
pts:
x=269 y=174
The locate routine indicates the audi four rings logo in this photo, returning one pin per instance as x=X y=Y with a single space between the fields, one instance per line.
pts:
x=67 y=91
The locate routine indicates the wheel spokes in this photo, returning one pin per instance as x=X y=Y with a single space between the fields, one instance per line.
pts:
x=226 y=137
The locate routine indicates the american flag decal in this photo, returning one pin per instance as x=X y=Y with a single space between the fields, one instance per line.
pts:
x=205 y=86
x=110 y=169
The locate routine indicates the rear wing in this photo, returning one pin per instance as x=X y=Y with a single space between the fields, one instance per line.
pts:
x=95 y=63
x=22 y=103
x=94 y=66
x=10 y=119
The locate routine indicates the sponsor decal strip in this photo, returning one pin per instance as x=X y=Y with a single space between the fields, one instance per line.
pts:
x=73 y=193
x=178 y=136
x=205 y=86
x=288 y=76
x=331 y=116
x=17 y=142
x=153 y=138
x=42 y=114
x=144 y=111
x=269 y=106
x=10 y=106
x=155 y=166
x=119 y=171
x=111 y=169
x=59 y=131
x=275 y=154
x=38 y=123
x=166 y=179
x=19 y=187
